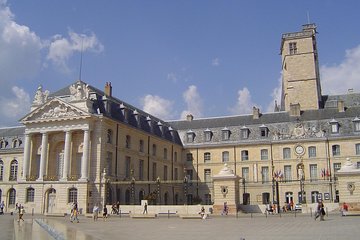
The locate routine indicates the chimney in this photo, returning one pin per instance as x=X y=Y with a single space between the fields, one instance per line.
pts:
x=295 y=110
x=256 y=113
x=341 y=106
x=189 y=117
x=108 y=89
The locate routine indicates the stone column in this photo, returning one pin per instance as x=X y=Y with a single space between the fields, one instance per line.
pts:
x=26 y=156
x=85 y=157
x=43 y=157
x=67 y=154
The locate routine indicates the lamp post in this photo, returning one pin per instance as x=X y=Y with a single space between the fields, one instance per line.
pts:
x=185 y=189
x=158 y=181
x=132 y=187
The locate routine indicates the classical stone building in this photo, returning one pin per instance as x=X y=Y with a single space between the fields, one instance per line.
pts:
x=85 y=145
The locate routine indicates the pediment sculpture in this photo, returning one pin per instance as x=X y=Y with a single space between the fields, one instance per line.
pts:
x=59 y=112
x=79 y=91
x=40 y=96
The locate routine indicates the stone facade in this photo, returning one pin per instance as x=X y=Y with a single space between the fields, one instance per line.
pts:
x=82 y=144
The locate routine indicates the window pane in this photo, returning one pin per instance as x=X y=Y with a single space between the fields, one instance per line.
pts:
x=287 y=173
x=207 y=157
x=286 y=153
x=245 y=173
x=265 y=174
x=313 y=172
x=312 y=152
x=264 y=154
x=244 y=155
x=225 y=156
x=357 y=149
x=207 y=175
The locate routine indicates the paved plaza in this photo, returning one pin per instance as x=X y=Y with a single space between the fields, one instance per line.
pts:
x=218 y=227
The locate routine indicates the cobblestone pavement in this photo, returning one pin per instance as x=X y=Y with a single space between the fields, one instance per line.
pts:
x=227 y=227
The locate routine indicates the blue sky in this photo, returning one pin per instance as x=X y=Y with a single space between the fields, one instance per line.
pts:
x=169 y=58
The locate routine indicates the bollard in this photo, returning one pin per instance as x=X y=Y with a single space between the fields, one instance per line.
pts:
x=327 y=212
x=168 y=213
x=120 y=213
x=266 y=214
x=32 y=212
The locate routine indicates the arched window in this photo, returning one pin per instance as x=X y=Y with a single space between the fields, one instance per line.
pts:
x=3 y=144
x=72 y=195
x=13 y=170
x=30 y=194
x=1 y=170
x=12 y=196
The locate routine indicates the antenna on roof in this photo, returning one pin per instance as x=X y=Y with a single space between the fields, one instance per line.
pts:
x=308 y=17
x=81 y=57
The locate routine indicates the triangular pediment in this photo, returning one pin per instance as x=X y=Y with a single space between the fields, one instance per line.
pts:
x=55 y=110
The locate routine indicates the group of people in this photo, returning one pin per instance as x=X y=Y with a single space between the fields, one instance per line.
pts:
x=96 y=211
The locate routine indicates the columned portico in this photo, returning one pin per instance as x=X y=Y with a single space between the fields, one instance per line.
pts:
x=26 y=156
x=67 y=153
x=85 y=157
x=43 y=157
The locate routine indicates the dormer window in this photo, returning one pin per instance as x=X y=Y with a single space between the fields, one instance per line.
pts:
x=3 y=144
x=244 y=132
x=356 y=122
x=207 y=135
x=334 y=126
x=225 y=134
x=190 y=136
x=264 y=131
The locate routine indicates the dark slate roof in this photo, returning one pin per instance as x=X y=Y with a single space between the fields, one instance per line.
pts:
x=12 y=131
x=350 y=100
x=115 y=108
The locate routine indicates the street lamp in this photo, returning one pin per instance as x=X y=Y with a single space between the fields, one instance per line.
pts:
x=185 y=189
x=132 y=186
x=158 y=189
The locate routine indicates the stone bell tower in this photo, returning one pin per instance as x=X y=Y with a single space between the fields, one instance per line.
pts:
x=300 y=70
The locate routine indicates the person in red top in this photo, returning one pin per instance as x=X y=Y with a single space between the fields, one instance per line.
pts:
x=344 y=209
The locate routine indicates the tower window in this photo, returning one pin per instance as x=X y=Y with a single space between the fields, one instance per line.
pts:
x=292 y=48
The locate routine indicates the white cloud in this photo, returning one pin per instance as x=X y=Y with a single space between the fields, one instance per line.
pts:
x=193 y=101
x=244 y=103
x=339 y=78
x=276 y=96
x=157 y=106
x=215 y=62
x=20 y=48
x=15 y=106
x=61 y=48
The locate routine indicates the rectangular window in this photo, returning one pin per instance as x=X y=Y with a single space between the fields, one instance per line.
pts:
x=154 y=172
x=189 y=157
x=287 y=173
x=312 y=152
x=165 y=153
x=244 y=155
x=189 y=174
x=334 y=128
x=190 y=137
x=154 y=150
x=313 y=172
x=207 y=175
x=265 y=174
x=357 y=126
x=207 y=136
x=165 y=173
x=175 y=156
x=264 y=154
x=245 y=173
x=225 y=135
x=337 y=167
x=336 y=150
x=358 y=164
x=286 y=153
x=207 y=157
x=127 y=167
x=141 y=170
x=292 y=48
x=128 y=141
x=30 y=194
x=1 y=170
x=264 y=132
x=176 y=174
x=225 y=156
x=357 y=149
x=141 y=146
x=244 y=133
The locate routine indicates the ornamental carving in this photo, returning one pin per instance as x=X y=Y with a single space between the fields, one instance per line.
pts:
x=40 y=96
x=59 y=112
x=79 y=91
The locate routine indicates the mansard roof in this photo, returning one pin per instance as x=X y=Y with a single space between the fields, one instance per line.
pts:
x=12 y=131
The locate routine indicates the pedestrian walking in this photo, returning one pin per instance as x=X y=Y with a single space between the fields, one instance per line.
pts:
x=2 y=205
x=21 y=213
x=145 y=209
x=95 y=212
x=74 y=214
x=105 y=213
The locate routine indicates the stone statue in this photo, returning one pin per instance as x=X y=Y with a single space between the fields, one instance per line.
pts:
x=40 y=96
x=79 y=91
x=300 y=173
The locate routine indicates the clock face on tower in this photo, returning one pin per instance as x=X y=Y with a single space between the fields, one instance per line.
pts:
x=299 y=150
